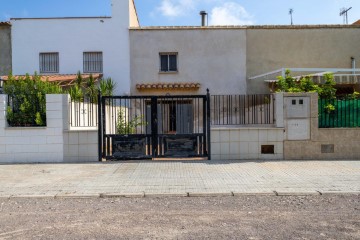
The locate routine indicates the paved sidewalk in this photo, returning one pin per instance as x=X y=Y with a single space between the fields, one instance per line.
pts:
x=179 y=178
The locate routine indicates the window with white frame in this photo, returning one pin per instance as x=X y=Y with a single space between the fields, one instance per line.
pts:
x=93 y=62
x=168 y=62
x=49 y=62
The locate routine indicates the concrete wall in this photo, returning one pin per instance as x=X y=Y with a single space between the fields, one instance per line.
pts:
x=214 y=58
x=53 y=143
x=345 y=141
x=5 y=49
x=236 y=143
x=73 y=36
x=272 y=48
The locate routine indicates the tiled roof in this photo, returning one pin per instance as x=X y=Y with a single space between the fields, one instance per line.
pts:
x=5 y=24
x=357 y=22
x=63 y=79
x=168 y=86
x=244 y=27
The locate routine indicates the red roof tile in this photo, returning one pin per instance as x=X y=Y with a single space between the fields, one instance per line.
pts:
x=168 y=86
x=357 y=22
x=5 y=24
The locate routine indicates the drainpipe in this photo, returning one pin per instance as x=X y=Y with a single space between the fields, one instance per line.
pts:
x=353 y=64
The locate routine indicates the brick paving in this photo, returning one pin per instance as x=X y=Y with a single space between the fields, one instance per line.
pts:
x=182 y=178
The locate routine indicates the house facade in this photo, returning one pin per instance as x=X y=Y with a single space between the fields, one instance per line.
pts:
x=52 y=46
x=225 y=59
x=176 y=60
x=5 y=48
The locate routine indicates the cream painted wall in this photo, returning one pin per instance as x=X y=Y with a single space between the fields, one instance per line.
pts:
x=134 y=20
x=214 y=58
x=73 y=36
x=272 y=48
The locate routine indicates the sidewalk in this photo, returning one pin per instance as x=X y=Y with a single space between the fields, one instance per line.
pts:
x=179 y=178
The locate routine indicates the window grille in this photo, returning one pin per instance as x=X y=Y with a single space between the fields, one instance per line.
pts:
x=49 y=62
x=93 y=62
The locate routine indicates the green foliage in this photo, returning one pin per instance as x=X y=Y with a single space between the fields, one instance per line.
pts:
x=353 y=96
x=125 y=127
x=79 y=79
x=327 y=89
x=305 y=84
x=286 y=84
x=28 y=104
x=107 y=87
x=76 y=93
x=329 y=108
x=91 y=90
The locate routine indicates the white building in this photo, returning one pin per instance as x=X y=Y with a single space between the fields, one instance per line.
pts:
x=68 y=45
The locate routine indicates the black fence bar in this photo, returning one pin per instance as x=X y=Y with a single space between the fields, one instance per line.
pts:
x=242 y=109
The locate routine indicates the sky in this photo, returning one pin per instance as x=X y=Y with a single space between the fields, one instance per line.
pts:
x=186 y=12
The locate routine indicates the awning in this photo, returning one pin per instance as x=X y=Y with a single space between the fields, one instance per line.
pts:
x=341 y=75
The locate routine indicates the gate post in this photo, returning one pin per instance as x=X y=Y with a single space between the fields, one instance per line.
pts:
x=99 y=127
x=208 y=121
x=154 y=126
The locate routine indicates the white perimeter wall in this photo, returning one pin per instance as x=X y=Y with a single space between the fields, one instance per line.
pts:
x=54 y=143
x=245 y=143
x=71 y=37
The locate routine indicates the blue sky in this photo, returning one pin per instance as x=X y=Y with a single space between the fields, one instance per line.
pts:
x=186 y=12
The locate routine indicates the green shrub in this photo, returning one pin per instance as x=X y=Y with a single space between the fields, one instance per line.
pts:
x=28 y=101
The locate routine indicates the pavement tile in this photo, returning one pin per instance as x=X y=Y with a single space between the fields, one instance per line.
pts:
x=132 y=179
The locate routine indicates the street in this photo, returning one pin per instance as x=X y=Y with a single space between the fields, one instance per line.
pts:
x=325 y=216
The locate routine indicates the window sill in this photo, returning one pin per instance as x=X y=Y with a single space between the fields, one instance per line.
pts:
x=170 y=72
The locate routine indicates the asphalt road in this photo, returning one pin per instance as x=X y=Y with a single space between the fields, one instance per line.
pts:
x=240 y=217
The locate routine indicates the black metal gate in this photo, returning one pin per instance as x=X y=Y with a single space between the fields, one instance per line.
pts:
x=148 y=127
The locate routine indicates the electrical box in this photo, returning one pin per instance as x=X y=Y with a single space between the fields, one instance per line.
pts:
x=297 y=114
x=297 y=107
x=298 y=129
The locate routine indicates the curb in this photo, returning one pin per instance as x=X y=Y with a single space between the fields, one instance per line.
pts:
x=239 y=194
x=210 y=194
x=160 y=195
x=76 y=196
x=122 y=195
x=187 y=194
x=280 y=193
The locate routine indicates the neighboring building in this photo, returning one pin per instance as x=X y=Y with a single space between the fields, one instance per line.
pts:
x=52 y=46
x=5 y=48
x=225 y=59
x=271 y=48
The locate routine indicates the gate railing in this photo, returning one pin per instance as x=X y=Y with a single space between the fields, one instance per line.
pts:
x=154 y=126
x=83 y=113
x=242 y=109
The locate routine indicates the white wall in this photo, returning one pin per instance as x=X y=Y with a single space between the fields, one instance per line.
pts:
x=245 y=143
x=73 y=36
x=53 y=143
